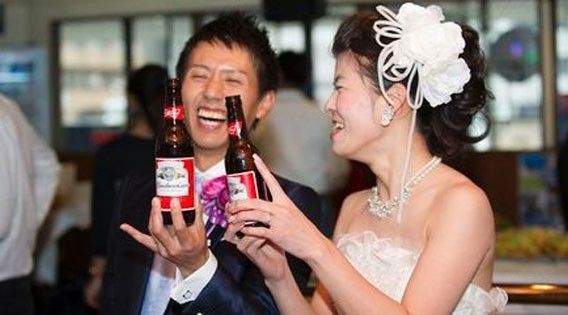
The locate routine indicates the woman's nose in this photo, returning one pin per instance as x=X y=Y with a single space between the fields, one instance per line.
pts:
x=330 y=104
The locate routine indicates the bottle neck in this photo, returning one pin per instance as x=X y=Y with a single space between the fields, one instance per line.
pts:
x=236 y=120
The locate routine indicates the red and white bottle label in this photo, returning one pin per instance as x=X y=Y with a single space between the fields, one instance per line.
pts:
x=242 y=186
x=174 y=112
x=235 y=128
x=174 y=179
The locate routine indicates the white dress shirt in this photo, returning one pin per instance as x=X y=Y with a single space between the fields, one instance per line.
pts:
x=30 y=174
x=294 y=141
x=165 y=278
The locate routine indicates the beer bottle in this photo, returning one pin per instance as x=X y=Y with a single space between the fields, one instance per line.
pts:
x=174 y=158
x=243 y=179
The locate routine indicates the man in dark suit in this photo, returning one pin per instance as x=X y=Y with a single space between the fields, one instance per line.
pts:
x=157 y=270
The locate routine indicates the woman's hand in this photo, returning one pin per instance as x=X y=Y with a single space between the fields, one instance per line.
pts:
x=289 y=229
x=267 y=256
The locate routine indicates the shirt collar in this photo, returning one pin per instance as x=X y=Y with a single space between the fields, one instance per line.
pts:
x=289 y=94
x=218 y=169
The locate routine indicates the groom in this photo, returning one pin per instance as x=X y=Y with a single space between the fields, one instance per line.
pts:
x=228 y=56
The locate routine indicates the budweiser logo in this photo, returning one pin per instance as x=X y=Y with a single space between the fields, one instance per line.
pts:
x=174 y=112
x=235 y=128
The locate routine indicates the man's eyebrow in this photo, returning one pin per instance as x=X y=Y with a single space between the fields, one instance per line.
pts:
x=233 y=71
x=198 y=65
x=224 y=71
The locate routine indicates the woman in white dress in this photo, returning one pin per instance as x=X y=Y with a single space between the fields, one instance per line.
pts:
x=406 y=89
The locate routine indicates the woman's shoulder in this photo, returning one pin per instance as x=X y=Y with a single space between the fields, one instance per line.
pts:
x=459 y=201
x=457 y=190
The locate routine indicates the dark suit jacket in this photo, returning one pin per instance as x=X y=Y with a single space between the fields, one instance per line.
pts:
x=562 y=173
x=237 y=287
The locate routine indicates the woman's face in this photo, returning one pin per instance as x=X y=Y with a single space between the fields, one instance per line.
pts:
x=352 y=109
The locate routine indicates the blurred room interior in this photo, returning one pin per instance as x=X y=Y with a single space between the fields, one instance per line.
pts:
x=66 y=63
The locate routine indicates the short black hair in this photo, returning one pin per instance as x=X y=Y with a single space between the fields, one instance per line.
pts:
x=293 y=67
x=147 y=85
x=237 y=28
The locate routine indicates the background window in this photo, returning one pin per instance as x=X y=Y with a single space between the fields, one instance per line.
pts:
x=322 y=60
x=181 y=30
x=562 y=67
x=511 y=43
x=159 y=40
x=92 y=63
x=149 y=41
x=93 y=66
x=286 y=36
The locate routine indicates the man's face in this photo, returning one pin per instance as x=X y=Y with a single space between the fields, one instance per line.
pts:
x=213 y=72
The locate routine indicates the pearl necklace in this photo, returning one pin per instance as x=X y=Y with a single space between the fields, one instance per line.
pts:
x=382 y=209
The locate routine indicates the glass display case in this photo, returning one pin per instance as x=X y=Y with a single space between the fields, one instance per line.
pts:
x=23 y=78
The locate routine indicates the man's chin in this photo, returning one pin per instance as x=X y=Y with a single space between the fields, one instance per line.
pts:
x=210 y=147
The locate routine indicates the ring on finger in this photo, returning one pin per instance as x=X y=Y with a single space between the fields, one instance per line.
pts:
x=269 y=219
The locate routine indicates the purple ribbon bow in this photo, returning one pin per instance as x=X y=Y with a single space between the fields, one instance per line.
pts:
x=214 y=195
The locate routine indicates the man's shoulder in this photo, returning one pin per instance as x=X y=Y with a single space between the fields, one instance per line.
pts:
x=125 y=144
x=303 y=196
x=141 y=180
x=292 y=186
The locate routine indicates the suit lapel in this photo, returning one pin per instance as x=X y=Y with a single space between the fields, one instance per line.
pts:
x=141 y=258
x=215 y=236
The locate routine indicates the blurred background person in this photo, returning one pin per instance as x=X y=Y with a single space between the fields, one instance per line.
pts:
x=562 y=170
x=133 y=150
x=294 y=140
x=29 y=172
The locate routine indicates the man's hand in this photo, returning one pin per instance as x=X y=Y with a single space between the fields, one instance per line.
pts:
x=92 y=290
x=185 y=246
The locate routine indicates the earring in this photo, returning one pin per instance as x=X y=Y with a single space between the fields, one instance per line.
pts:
x=388 y=115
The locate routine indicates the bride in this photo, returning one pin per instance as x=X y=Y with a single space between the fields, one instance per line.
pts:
x=406 y=90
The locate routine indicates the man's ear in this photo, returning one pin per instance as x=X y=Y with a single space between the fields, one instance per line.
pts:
x=266 y=104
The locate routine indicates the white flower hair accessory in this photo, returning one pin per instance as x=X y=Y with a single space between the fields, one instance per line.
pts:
x=425 y=45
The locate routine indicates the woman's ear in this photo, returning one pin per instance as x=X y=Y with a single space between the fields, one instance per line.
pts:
x=397 y=96
x=389 y=105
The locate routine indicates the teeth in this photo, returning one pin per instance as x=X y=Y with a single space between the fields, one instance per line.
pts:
x=211 y=123
x=211 y=115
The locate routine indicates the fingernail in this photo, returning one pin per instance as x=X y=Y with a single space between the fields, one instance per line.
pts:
x=255 y=156
x=231 y=219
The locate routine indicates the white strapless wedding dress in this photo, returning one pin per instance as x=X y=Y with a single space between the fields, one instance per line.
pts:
x=388 y=267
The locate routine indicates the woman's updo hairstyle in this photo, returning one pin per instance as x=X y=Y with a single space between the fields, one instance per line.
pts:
x=445 y=127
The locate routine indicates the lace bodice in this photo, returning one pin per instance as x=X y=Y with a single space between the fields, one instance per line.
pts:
x=388 y=267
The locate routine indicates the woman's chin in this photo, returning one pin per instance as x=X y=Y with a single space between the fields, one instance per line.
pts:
x=339 y=151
